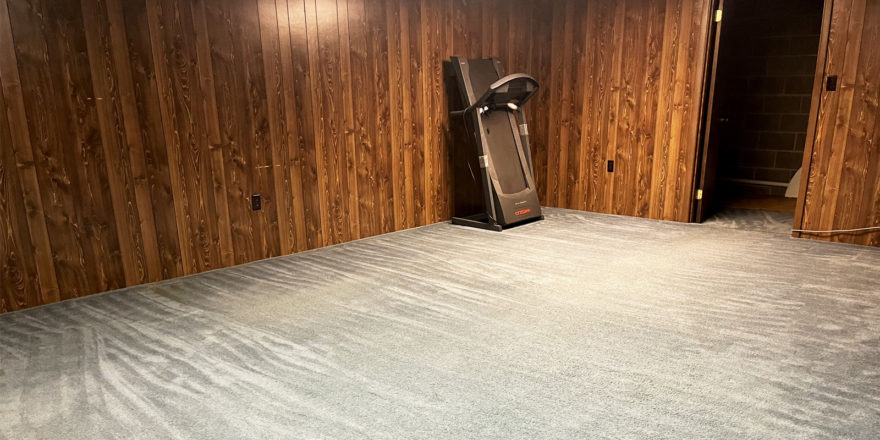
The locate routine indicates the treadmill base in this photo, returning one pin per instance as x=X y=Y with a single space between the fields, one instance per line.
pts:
x=477 y=221
x=482 y=222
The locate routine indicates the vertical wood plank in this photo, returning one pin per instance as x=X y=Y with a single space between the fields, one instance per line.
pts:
x=65 y=134
x=609 y=138
x=817 y=175
x=842 y=190
x=234 y=38
x=139 y=250
x=838 y=145
x=567 y=58
x=677 y=91
x=133 y=130
x=321 y=101
x=540 y=67
x=263 y=174
x=362 y=86
x=432 y=40
x=270 y=39
x=22 y=152
x=19 y=281
x=413 y=110
x=305 y=152
x=216 y=149
x=635 y=28
x=395 y=99
x=196 y=184
x=349 y=152
x=864 y=177
x=557 y=89
x=696 y=64
x=149 y=127
x=579 y=78
x=377 y=18
x=663 y=125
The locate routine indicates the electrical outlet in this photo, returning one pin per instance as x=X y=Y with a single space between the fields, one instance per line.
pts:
x=831 y=83
x=610 y=166
x=256 y=202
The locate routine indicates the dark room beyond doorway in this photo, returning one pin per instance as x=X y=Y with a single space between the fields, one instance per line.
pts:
x=767 y=55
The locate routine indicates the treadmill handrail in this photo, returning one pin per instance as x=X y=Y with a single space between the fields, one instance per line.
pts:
x=493 y=88
x=509 y=78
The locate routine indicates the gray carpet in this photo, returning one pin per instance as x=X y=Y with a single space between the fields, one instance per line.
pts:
x=753 y=220
x=580 y=326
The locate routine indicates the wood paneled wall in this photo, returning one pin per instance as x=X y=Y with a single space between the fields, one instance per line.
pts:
x=842 y=188
x=623 y=81
x=133 y=132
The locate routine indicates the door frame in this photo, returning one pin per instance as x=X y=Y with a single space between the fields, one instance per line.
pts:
x=812 y=125
x=707 y=103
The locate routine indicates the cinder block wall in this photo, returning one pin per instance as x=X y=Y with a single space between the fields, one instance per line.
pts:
x=768 y=87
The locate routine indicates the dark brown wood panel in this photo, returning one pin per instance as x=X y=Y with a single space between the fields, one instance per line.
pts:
x=622 y=81
x=841 y=190
x=147 y=124
x=16 y=266
x=136 y=231
x=26 y=285
x=135 y=132
x=59 y=104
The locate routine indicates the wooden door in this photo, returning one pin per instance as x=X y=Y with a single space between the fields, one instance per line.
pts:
x=842 y=189
x=713 y=125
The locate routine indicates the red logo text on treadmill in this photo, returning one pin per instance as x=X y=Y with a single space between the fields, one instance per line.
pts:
x=522 y=212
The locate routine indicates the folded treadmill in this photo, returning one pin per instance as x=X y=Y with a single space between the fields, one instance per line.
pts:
x=493 y=183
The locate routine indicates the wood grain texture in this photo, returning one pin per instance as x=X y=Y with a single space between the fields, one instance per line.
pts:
x=15 y=264
x=18 y=161
x=842 y=188
x=135 y=132
x=622 y=81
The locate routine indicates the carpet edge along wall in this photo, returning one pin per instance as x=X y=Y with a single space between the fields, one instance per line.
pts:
x=135 y=132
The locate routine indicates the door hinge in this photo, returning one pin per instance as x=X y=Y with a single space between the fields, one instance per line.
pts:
x=718 y=14
x=699 y=194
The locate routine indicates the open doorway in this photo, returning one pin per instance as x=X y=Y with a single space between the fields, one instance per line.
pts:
x=757 y=108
